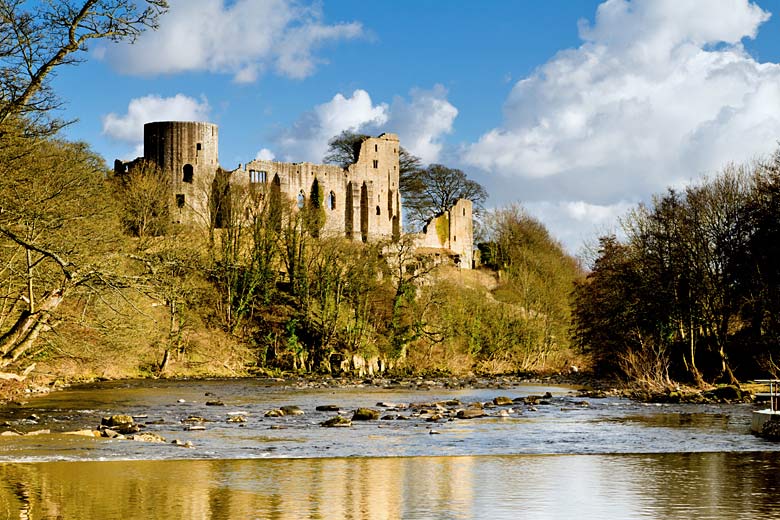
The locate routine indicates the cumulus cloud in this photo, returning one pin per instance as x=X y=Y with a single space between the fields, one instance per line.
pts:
x=243 y=38
x=421 y=122
x=573 y=222
x=659 y=92
x=265 y=155
x=307 y=140
x=129 y=127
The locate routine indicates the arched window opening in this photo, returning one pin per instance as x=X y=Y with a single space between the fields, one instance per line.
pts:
x=301 y=199
x=179 y=200
x=331 y=201
x=188 y=173
x=378 y=211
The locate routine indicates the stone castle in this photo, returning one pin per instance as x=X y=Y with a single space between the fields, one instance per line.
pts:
x=360 y=202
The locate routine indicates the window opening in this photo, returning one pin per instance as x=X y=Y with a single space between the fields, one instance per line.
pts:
x=331 y=202
x=378 y=211
x=376 y=163
x=179 y=200
x=188 y=173
x=301 y=199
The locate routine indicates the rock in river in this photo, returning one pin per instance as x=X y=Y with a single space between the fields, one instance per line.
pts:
x=337 y=421
x=115 y=421
x=291 y=410
x=148 y=437
x=470 y=413
x=327 y=408
x=365 y=414
x=502 y=401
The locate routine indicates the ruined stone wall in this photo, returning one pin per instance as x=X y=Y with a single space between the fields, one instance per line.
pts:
x=453 y=231
x=361 y=202
x=188 y=152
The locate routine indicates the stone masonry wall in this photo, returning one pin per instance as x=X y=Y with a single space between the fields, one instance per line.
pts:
x=361 y=202
x=453 y=231
x=188 y=152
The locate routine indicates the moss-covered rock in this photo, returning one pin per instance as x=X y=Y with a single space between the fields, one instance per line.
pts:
x=365 y=414
x=338 y=421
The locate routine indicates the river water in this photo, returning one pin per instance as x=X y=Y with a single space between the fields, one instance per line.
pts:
x=566 y=457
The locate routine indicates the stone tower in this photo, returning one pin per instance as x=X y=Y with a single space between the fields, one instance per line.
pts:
x=188 y=152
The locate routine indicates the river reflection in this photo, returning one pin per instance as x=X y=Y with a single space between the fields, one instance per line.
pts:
x=700 y=485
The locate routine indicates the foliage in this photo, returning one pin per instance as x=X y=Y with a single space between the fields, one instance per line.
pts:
x=694 y=279
x=144 y=193
x=344 y=148
x=57 y=229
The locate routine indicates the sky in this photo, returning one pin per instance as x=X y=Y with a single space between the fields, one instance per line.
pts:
x=575 y=109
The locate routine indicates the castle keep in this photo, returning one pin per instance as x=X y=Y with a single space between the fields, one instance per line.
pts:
x=360 y=202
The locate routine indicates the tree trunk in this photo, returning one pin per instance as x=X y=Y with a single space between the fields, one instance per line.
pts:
x=21 y=336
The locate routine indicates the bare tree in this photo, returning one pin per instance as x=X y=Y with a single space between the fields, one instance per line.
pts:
x=56 y=229
x=38 y=37
x=430 y=191
x=144 y=193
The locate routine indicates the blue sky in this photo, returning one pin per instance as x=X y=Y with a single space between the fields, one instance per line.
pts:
x=576 y=109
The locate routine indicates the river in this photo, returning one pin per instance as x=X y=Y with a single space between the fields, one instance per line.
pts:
x=565 y=457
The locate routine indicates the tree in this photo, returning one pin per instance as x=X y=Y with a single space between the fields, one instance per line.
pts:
x=57 y=229
x=430 y=191
x=56 y=222
x=38 y=37
x=144 y=193
x=344 y=148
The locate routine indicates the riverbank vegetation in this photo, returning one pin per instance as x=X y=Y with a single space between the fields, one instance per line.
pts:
x=691 y=293
x=97 y=282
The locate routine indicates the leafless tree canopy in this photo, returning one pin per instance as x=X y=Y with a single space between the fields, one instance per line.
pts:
x=36 y=38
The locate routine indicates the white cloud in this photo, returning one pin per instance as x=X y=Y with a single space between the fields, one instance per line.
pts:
x=129 y=127
x=420 y=123
x=265 y=155
x=243 y=38
x=575 y=223
x=308 y=138
x=659 y=92
x=423 y=121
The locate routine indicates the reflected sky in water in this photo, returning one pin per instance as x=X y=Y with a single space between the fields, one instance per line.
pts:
x=702 y=486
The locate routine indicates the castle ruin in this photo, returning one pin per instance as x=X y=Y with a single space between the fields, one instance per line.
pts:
x=360 y=202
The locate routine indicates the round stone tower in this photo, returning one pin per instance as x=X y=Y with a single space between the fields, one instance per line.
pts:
x=188 y=152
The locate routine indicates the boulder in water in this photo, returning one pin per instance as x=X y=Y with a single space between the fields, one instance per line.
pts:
x=338 y=421
x=291 y=410
x=365 y=414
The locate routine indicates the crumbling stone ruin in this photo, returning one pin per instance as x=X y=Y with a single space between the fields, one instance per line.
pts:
x=360 y=202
